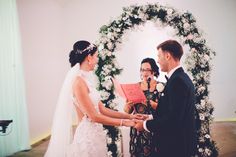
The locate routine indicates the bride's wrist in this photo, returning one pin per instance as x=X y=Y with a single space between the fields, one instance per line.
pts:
x=121 y=122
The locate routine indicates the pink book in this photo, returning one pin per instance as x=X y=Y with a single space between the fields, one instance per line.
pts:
x=131 y=92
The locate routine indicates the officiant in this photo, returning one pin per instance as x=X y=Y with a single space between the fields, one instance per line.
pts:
x=141 y=143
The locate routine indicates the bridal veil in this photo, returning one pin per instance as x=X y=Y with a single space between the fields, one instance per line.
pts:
x=61 y=133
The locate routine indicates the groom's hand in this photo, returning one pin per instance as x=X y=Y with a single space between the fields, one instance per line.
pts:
x=138 y=125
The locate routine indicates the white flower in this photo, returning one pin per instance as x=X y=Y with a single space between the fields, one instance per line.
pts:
x=160 y=87
x=100 y=47
x=104 y=39
x=169 y=11
x=107 y=69
x=208 y=151
x=200 y=150
x=201 y=139
x=142 y=16
x=109 y=35
x=102 y=55
x=110 y=46
x=104 y=95
x=207 y=58
x=201 y=89
x=109 y=153
x=109 y=140
x=190 y=37
x=186 y=26
x=113 y=105
x=207 y=136
x=193 y=50
x=203 y=103
x=107 y=83
x=105 y=131
x=116 y=64
x=201 y=116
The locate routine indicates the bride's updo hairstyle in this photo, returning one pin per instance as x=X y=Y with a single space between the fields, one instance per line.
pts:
x=81 y=49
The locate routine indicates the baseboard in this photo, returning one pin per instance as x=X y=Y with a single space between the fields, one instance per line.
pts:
x=39 y=140
x=225 y=120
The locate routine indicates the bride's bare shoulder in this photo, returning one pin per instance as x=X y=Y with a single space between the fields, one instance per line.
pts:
x=79 y=83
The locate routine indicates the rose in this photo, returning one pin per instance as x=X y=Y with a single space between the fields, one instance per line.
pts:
x=160 y=87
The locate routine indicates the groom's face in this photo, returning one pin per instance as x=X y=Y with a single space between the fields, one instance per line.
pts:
x=162 y=60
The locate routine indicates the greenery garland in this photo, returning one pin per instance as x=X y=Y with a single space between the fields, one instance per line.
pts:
x=197 y=63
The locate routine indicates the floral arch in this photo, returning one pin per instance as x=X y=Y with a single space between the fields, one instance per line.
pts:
x=197 y=64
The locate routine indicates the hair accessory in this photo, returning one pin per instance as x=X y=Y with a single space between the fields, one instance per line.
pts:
x=89 y=48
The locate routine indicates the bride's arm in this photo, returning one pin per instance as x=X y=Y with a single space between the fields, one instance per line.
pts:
x=81 y=92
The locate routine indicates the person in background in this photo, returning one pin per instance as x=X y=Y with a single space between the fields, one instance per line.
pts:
x=141 y=143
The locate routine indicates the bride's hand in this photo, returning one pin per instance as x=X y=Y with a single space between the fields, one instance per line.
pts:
x=139 y=116
x=128 y=123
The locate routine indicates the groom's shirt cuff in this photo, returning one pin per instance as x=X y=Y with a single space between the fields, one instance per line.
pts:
x=150 y=117
x=144 y=126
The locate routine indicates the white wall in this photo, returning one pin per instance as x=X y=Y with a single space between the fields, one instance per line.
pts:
x=49 y=28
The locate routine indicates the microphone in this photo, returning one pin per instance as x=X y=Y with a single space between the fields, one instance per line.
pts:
x=148 y=81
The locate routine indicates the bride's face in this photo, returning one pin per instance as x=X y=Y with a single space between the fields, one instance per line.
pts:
x=93 y=60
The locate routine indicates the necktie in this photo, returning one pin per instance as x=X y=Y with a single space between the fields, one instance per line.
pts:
x=166 y=77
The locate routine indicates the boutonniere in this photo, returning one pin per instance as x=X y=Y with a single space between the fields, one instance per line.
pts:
x=160 y=88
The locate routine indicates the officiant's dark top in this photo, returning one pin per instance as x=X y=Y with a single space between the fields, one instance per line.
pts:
x=141 y=143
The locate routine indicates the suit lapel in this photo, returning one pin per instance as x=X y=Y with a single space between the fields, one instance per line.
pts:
x=176 y=72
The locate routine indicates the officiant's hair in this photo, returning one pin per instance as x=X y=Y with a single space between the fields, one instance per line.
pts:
x=153 y=64
x=173 y=47
x=81 y=49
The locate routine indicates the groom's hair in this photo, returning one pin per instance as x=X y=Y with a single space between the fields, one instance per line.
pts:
x=173 y=47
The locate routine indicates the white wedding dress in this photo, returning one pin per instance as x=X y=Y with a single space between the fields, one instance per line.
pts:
x=89 y=139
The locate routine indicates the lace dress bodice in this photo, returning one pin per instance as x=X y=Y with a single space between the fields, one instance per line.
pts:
x=89 y=138
x=90 y=80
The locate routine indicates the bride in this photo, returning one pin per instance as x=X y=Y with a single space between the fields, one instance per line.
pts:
x=79 y=92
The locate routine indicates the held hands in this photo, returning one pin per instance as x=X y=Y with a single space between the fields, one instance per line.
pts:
x=139 y=125
x=136 y=121
x=131 y=122
x=127 y=123
x=138 y=116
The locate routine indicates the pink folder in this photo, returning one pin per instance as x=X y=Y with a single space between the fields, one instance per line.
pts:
x=131 y=92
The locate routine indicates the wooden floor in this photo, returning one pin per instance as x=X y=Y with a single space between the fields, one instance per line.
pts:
x=224 y=133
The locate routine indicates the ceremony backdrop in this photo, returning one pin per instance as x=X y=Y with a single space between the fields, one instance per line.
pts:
x=49 y=28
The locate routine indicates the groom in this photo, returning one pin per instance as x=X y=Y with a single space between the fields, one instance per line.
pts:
x=173 y=123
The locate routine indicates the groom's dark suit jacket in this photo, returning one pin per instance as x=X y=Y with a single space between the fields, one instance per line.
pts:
x=174 y=121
